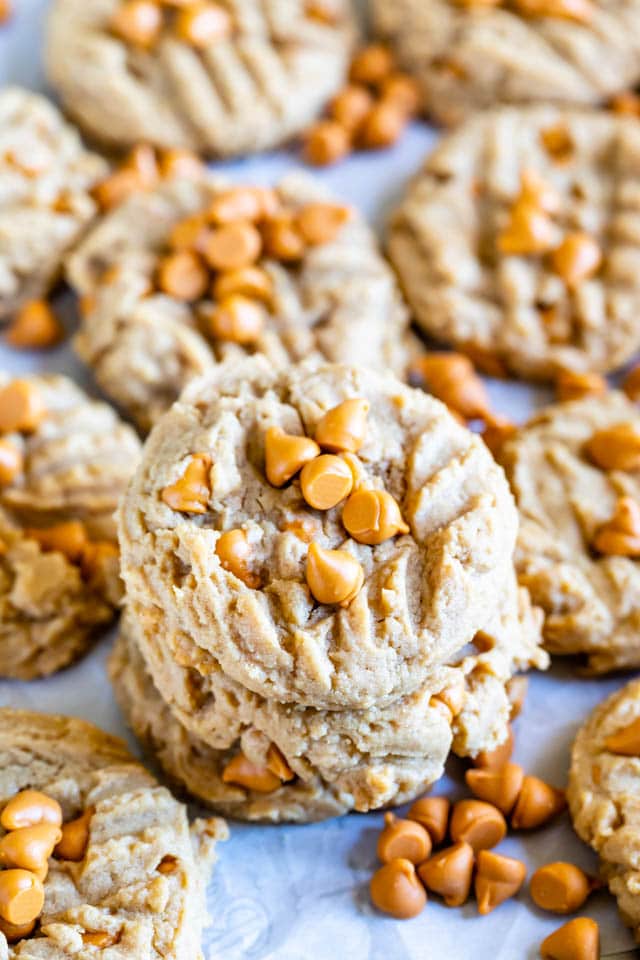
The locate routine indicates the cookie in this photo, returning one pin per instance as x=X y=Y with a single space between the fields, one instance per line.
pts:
x=307 y=280
x=575 y=473
x=221 y=79
x=45 y=180
x=478 y=53
x=64 y=462
x=518 y=241
x=603 y=794
x=127 y=878
x=242 y=563
x=259 y=759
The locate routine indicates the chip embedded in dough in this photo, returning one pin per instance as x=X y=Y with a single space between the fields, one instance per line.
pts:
x=519 y=244
x=250 y=85
x=137 y=889
x=472 y=55
x=45 y=180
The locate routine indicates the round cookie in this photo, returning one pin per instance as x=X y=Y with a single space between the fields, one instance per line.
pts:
x=136 y=884
x=45 y=180
x=335 y=299
x=65 y=460
x=222 y=79
x=335 y=760
x=418 y=597
x=574 y=469
x=604 y=781
x=473 y=54
x=518 y=241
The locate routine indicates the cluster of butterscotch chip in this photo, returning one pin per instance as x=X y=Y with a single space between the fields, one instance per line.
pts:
x=215 y=257
x=370 y=112
x=580 y=11
x=199 y=23
x=260 y=777
x=34 y=832
x=34 y=326
x=142 y=169
x=22 y=410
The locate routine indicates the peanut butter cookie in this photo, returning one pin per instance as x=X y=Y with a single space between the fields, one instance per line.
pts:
x=194 y=272
x=64 y=462
x=45 y=204
x=97 y=858
x=472 y=54
x=221 y=78
x=575 y=473
x=325 y=533
x=603 y=794
x=518 y=242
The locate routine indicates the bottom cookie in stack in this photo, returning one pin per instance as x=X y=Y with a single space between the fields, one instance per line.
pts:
x=259 y=759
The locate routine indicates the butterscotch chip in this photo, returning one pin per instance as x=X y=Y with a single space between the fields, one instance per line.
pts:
x=560 y=887
x=326 y=481
x=235 y=554
x=497 y=879
x=183 y=275
x=383 y=125
x=190 y=493
x=371 y=65
x=286 y=454
x=350 y=106
x=69 y=538
x=402 y=90
x=373 y=516
x=321 y=222
x=21 y=896
x=578 y=939
x=499 y=787
x=74 y=838
x=190 y=233
x=616 y=447
x=577 y=258
x=326 y=142
x=233 y=246
x=243 y=203
x=574 y=385
x=137 y=22
x=5 y=10
x=343 y=428
x=244 y=773
x=34 y=326
x=497 y=758
x=202 y=24
x=11 y=461
x=449 y=872
x=396 y=890
x=537 y=803
x=403 y=838
x=477 y=823
x=631 y=384
x=180 y=163
x=22 y=408
x=433 y=814
x=282 y=239
x=251 y=282
x=236 y=319
x=29 y=808
x=333 y=576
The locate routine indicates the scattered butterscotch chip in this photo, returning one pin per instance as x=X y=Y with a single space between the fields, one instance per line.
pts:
x=180 y=163
x=625 y=741
x=433 y=814
x=100 y=938
x=333 y=576
x=251 y=204
x=452 y=698
x=529 y=231
x=499 y=787
x=350 y=106
x=577 y=258
x=282 y=239
x=372 y=516
x=11 y=462
x=75 y=837
x=29 y=847
x=22 y=408
x=451 y=378
x=578 y=939
x=34 y=326
x=326 y=142
x=537 y=803
x=234 y=552
x=371 y=65
x=582 y=11
x=574 y=385
x=615 y=448
x=252 y=282
x=620 y=536
x=168 y=865
x=497 y=879
x=277 y=764
x=202 y=23
x=383 y=126
x=191 y=492
x=631 y=384
x=15 y=932
x=477 y=823
x=495 y=759
x=236 y=319
x=344 y=427
x=115 y=188
x=326 y=481
x=395 y=889
x=496 y=433
x=137 y=22
x=402 y=90
x=29 y=808
x=557 y=142
x=233 y=245
x=560 y=887
x=286 y=454
x=244 y=773
x=448 y=873
x=69 y=538
x=189 y=234
x=321 y=222
x=405 y=839
x=183 y=275
x=21 y=896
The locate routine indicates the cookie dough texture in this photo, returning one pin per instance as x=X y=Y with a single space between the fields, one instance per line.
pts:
x=45 y=178
x=342 y=759
x=425 y=594
x=516 y=310
x=603 y=799
x=341 y=303
x=76 y=466
x=250 y=92
x=591 y=603
x=116 y=889
x=472 y=56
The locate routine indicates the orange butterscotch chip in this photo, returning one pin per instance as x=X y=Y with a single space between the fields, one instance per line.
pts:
x=326 y=142
x=372 y=516
x=615 y=448
x=371 y=65
x=97 y=557
x=168 y=865
x=252 y=282
x=191 y=491
x=403 y=91
x=29 y=847
x=251 y=776
x=626 y=103
x=631 y=384
x=529 y=230
x=11 y=462
x=321 y=222
x=333 y=576
x=304 y=528
x=234 y=552
x=497 y=879
x=100 y=938
x=577 y=258
x=75 y=837
x=383 y=126
x=574 y=385
x=451 y=377
x=29 y=808
x=34 y=326
x=251 y=204
x=115 y=188
x=496 y=433
x=69 y=538
x=582 y=11
x=325 y=481
x=180 y=163
x=183 y=275
x=190 y=233
x=477 y=823
x=350 y=106
x=499 y=787
x=21 y=896
x=236 y=319
x=5 y=10
x=626 y=741
x=497 y=758
x=433 y=814
x=448 y=873
x=395 y=889
x=620 y=536
x=285 y=454
x=537 y=803
x=202 y=23
x=560 y=887
x=277 y=763
x=137 y=22
x=282 y=239
x=344 y=428
x=403 y=838
x=22 y=408
x=557 y=141
x=233 y=245
x=15 y=932
x=578 y=939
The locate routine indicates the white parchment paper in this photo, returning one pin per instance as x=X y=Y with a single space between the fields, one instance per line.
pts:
x=301 y=893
